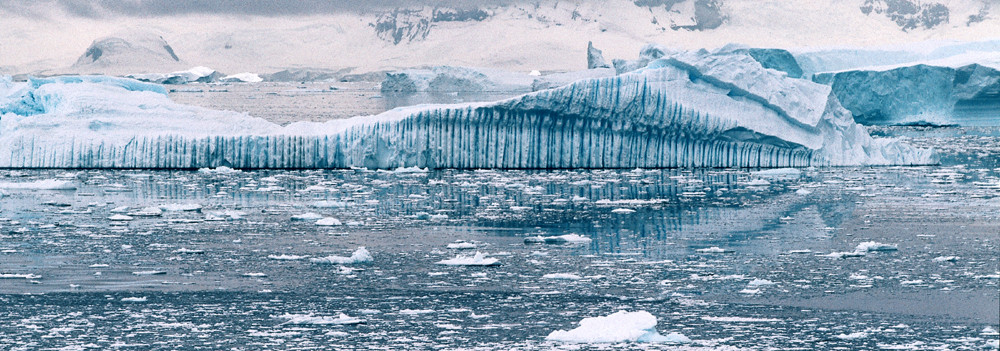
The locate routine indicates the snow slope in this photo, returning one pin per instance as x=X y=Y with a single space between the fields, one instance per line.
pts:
x=517 y=36
x=691 y=109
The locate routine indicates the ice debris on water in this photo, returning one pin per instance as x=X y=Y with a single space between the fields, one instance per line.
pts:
x=342 y=319
x=361 y=255
x=863 y=249
x=45 y=184
x=134 y=299
x=621 y=326
x=328 y=222
x=686 y=109
x=713 y=249
x=562 y=276
x=559 y=239
x=476 y=260
x=462 y=245
x=308 y=216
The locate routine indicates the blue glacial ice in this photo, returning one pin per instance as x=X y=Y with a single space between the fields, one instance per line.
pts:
x=682 y=110
x=939 y=94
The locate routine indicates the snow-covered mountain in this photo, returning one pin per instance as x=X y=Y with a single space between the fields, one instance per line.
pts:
x=536 y=35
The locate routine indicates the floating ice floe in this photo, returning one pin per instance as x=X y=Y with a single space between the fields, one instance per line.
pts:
x=19 y=276
x=287 y=257
x=690 y=109
x=45 y=184
x=134 y=299
x=559 y=239
x=863 y=249
x=308 y=216
x=713 y=249
x=219 y=170
x=181 y=207
x=852 y=336
x=342 y=319
x=328 y=222
x=361 y=255
x=120 y=218
x=562 y=276
x=476 y=260
x=462 y=245
x=621 y=326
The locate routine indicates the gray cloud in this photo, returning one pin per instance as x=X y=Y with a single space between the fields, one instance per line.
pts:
x=156 y=8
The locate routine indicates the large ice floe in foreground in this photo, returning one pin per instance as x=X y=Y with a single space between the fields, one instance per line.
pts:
x=621 y=326
x=692 y=109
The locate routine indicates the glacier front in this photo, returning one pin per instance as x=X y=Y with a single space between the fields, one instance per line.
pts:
x=683 y=110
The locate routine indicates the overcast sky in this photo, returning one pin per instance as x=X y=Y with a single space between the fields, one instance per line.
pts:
x=108 y=8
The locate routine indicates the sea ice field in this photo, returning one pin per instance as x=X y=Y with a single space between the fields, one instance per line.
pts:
x=899 y=258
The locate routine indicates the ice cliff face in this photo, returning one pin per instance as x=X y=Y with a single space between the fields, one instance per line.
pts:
x=683 y=110
x=919 y=94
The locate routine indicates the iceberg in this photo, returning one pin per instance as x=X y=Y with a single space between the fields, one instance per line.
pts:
x=925 y=93
x=449 y=79
x=693 y=109
x=198 y=74
x=621 y=326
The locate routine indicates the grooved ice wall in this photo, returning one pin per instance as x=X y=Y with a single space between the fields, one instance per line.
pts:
x=672 y=114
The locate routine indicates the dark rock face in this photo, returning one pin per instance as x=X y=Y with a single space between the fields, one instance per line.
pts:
x=595 y=58
x=404 y=26
x=94 y=53
x=457 y=15
x=908 y=14
x=170 y=51
x=707 y=13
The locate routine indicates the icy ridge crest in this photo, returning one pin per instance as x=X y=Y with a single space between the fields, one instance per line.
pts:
x=688 y=110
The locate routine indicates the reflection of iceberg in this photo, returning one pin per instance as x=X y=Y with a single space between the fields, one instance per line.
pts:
x=688 y=110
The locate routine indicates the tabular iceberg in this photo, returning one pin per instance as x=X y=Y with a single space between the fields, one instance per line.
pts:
x=919 y=94
x=683 y=110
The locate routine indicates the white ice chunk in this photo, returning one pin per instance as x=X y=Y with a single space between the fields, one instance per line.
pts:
x=559 y=239
x=621 y=326
x=476 y=260
x=361 y=255
x=308 y=216
x=134 y=299
x=328 y=222
x=562 y=276
x=870 y=246
x=45 y=184
x=342 y=319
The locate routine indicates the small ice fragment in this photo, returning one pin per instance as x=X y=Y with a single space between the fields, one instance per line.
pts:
x=219 y=170
x=181 y=207
x=713 y=249
x=45 y=184
x=562 y=276
x=621 y=326
x=623 y=210
x=852 y=336
x=134 y=299
x=477 y=260
x=147 y=212
x=255 y=275
x=946 y=259
x=120 y=218
x=560 y=239
x=19 y=276
x=149 y=273
x=870 y=246
x=308 y=216
x=759 y=282
x=803 y=192
x=189 y=251
x=287 y=257
x=342 y=319
x=361 y=255
x=328 y=222
x=462 y=245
